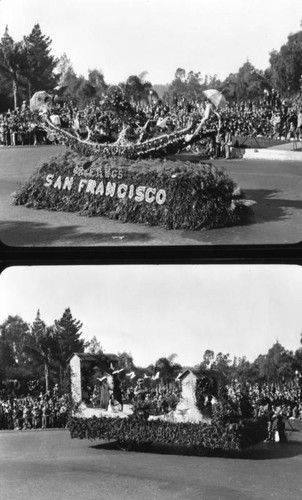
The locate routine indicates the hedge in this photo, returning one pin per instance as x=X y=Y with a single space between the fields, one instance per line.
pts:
x=201 y=439
x=175 y=195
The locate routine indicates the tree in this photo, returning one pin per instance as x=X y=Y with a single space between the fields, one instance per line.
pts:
x=242 y=371
x=63 y=69
x=79 y=90
x=14 y=333
x=96 y=79
x=277 y=366
x=191 y=85
x=38 y=64
x=297 y=360
x=286 y=65
x=168 y=368
x=126 y=360
x=194 y=85
x=137 y=89
x=247 y=83
x=208 y=358
x=94 y=346
x=42 y=346
x=11 y=56
x=6 y=95
x=67 y=333
x=178 y=87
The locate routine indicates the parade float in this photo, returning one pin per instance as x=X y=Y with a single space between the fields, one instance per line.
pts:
x=197 y=422
x=131 y=179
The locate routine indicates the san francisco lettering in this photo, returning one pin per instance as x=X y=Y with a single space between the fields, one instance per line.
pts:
x=107 y=188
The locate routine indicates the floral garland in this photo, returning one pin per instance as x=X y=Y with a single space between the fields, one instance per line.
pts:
x=152 y=148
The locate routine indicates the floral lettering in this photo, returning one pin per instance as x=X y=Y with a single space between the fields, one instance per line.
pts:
x=82 y=184
x=49 y=179
x=91 y=186
x=122 y=191
x=150 y=191
x=161 y=196
x=58 y=183
x=68 y=183
x=131 y=192
x=110 y=188
x=140 y=193
x=100 y=188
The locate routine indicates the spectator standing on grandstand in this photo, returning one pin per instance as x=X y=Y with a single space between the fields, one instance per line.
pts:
x=13 y=129
x=37 y=416
x=299 y=124
x=280 y=424
x=219 y=144
x=23 y=107
x=5 y=132
x=228 y=143
x=269 y=415
x=45 y=415
x=26 y=417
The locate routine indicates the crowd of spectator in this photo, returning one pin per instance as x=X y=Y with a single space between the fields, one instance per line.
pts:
x=286 y=399
x=270 y=117
x=160 y=398
x=34 y=412
x=51 y=410
x=19 y=127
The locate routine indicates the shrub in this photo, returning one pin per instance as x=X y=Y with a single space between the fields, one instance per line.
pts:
x=174 y=195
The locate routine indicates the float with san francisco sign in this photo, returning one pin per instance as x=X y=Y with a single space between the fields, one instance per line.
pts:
x=131 y=179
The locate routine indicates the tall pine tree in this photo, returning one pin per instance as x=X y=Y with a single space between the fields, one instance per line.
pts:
x=43 y=346
x=38 y=64
x=68 y=333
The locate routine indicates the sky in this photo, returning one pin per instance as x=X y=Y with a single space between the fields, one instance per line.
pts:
x=157 y=310
x=126 y=37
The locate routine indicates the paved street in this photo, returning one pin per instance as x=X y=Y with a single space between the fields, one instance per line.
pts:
x=48 y=464
x=275 y=186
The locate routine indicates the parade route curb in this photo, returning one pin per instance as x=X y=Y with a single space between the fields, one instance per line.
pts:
x=272 y=154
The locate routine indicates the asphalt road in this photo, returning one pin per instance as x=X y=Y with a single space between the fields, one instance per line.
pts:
x=48 y=465
x=275 y=186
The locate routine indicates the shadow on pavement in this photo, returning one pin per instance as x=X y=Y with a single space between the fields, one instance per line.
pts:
x=20 y=233
x=269 y=207
x=262 y=451
x=269 y=451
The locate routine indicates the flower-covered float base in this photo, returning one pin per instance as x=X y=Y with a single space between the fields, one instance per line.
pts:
x=133 y=433
x=174 y=195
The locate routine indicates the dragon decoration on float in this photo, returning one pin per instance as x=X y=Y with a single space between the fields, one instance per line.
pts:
x=152 y=147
